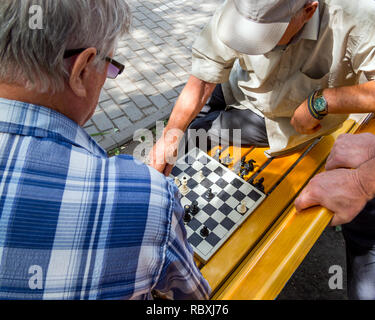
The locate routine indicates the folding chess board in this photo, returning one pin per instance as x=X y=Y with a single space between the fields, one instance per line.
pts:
x=221 y=213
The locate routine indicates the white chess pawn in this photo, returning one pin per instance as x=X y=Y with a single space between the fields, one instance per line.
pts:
x=242 y=207
x=177 y=182
x=184 y=188
x=201 y=176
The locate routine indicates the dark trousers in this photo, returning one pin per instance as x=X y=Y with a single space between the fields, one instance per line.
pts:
x=220 y=124
x=359 y=238
x=359 y=234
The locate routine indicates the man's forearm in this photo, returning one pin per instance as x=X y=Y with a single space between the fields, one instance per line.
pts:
x=190 y=102
x=351 y=99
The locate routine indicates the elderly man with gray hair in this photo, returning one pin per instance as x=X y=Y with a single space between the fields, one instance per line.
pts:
x=75 y=224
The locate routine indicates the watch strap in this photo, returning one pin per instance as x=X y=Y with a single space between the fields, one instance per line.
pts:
x=310 y=106
x=317 y=94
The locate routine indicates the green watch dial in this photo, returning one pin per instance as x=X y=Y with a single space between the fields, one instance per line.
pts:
x=320 y=104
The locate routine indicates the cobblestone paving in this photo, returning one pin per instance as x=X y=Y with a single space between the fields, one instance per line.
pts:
x=157 y=56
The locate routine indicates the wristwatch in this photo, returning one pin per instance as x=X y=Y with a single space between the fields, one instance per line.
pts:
x=317 y=105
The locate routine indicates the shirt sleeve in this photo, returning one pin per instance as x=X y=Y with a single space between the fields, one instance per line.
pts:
x=212 y=60
x=363 y=56
x=180 y=279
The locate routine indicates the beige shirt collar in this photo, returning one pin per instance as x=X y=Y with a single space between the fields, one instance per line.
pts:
x=311 y=30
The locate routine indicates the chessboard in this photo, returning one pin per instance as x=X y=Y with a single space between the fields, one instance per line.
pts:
x=216 y=201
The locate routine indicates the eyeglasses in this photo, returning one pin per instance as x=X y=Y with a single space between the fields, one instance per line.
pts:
x=114 y=70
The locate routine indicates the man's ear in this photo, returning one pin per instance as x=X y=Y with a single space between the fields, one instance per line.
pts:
x=79 y=71
x=310 y=9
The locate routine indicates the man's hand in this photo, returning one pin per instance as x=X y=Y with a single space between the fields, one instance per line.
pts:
x=163 y=155
x=157 y=158
x=303 y=122
x=350 y=151
x=338 y=190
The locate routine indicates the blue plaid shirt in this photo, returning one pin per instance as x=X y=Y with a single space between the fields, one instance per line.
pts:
x=75 y=224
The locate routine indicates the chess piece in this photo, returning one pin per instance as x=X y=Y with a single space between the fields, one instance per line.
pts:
x=259 y=185
x=227 y=160
x=244 y=172
x=187 y=217
x=242 y=207
x=209 y=194
x=177 y=182
x=204 y=232
x=194 y=209
x=184 y=188
x=217 y=154
x=201 y=176
x=243 y=161
x=250 y=165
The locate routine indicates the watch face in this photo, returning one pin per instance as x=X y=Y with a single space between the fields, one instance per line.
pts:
x=320 y=104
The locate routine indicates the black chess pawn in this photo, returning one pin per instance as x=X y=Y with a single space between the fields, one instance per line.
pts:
x=259 y=185
x=209 y=194
x=204 y=232
x=187 y=217
x=194 y=209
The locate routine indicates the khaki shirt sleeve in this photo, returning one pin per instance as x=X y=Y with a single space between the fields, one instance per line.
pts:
x=363 y=55
x=212 y=60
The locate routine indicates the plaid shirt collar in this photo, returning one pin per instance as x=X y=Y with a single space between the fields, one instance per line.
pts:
x=26 y=119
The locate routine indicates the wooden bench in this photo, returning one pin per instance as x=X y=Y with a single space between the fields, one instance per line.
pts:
x=261 y=256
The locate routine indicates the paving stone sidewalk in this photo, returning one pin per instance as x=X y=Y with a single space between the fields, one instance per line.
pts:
x=157 y=56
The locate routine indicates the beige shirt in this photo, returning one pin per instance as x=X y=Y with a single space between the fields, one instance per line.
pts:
x=333 y=49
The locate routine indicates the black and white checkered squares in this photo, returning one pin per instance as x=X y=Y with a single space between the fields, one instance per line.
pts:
x=220 y=214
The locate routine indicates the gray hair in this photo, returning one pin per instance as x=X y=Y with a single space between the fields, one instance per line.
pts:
x=34 y=58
